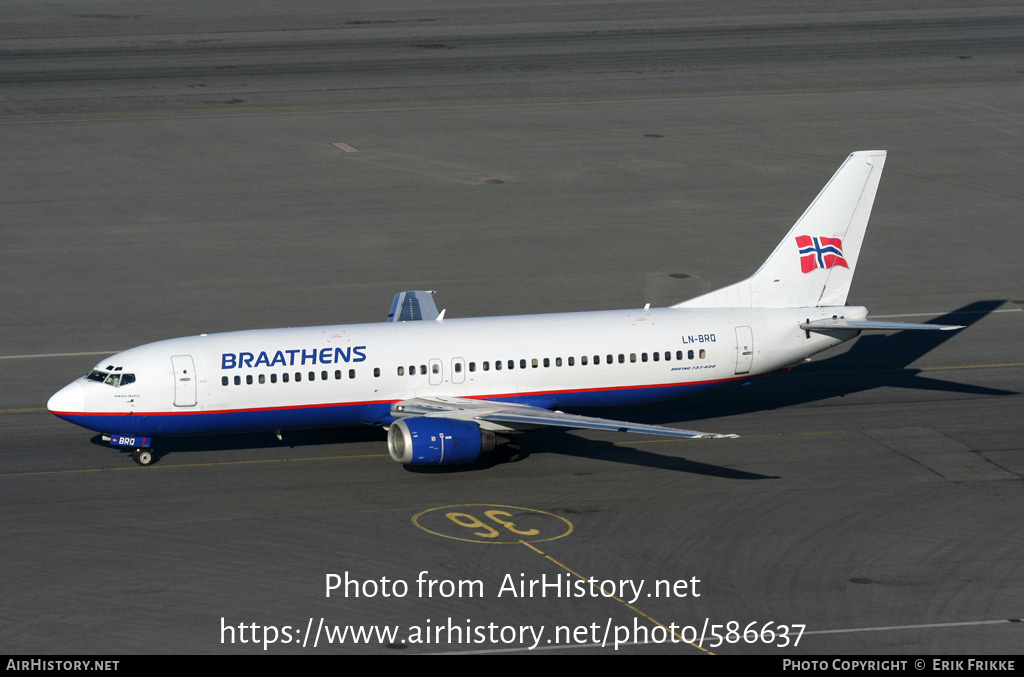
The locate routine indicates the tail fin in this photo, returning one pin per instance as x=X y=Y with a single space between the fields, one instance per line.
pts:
x=814 y=264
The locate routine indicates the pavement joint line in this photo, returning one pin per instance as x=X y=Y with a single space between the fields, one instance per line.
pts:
x=377 y=105
x=179 y=466
x=42 y=355
x=920 y=626
x=622 y=602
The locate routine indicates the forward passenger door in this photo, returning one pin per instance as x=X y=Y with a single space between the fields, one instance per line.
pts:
x=184 y=381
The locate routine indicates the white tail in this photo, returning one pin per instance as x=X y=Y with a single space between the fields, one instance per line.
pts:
x=815 y=262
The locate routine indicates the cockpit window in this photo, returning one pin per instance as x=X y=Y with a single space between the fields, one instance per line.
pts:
x=115 y=379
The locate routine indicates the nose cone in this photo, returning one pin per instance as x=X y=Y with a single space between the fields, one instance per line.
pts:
x=68 y=400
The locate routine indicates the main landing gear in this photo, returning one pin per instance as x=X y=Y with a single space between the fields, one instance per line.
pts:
x=509 y=453
x=143 y=456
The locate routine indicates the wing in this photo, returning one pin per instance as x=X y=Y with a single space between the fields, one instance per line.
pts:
x=408 y=306
x=509 y=417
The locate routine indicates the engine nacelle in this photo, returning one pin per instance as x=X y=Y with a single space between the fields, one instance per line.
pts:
x=420 y=440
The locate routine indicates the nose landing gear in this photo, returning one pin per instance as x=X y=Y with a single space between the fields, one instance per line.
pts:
x=141 y=453
x=143 y=456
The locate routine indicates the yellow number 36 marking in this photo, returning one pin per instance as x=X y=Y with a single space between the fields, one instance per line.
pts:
x=487 y=531
x=492 y=524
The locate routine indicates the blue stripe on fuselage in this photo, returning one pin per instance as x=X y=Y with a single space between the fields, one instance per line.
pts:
x=193 y=422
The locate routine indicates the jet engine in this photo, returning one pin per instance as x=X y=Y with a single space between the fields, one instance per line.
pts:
x=421 y=440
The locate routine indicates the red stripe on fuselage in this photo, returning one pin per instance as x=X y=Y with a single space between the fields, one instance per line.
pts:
x=538 y=393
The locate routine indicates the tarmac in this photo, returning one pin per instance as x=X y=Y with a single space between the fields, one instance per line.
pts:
x=171 y=170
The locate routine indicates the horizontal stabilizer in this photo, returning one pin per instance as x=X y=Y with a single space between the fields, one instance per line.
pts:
x=840 y=324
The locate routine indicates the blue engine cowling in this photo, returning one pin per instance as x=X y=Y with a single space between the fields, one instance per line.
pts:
x=420 y=440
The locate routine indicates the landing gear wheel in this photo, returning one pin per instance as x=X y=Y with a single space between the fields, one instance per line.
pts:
x=142 y=456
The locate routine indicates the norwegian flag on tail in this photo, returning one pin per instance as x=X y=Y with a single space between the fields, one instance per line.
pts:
x=820 y=252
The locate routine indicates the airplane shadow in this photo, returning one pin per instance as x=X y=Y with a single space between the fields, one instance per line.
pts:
x=564 y=443
x=873 y=361
x=261 y=440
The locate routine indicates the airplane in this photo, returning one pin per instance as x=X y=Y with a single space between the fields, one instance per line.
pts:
x=444 y=388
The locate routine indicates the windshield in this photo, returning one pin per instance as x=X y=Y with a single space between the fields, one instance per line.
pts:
x=115 y=379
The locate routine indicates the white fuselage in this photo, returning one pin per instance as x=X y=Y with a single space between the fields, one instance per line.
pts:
x=276 y=379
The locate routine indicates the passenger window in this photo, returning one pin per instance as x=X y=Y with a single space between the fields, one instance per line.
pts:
x=337 y=375
x=487 y=366
x=609 y=359
x=656 y=356
x=263 y=379
x=632 y=357
x=412 y=370
x=351 y=373
x=435 y=369
x=273 y=378
x=689 y=354
x=248 y=380
x=401 y=371
x=572 y=361
x=522 y=364
x=668 y=356
x=679 y=354
x=512 y=364
x=298 y=376
x=376 y=372
x=643 y=357
x=497 y=365
x=423 y=370
x=703 y=354
x=458 y=368
x=622 y=358
x=312 y=375
x=238 y=380
x=583 y=360
x=284 y=377
x=223 y=380
x=472 y=366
